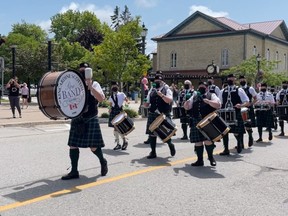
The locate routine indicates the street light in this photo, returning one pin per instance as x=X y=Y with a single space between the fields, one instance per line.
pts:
x=13 y=48
x=143 y=36
x=49 y=55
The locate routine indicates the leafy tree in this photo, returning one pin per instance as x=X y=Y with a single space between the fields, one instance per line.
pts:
x=30 y=30
x=73 y=24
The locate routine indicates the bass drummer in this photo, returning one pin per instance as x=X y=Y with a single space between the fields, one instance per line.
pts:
x=237 y=98
x=199 y=105
x=159 y=100
x=252 y=95
x=184 y=95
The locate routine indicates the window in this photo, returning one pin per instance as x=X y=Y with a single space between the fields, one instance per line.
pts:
x=173 y=59
x=224 y=58
x=277 y=59
x=268 y=55
x=285 y=61
x=254 y=50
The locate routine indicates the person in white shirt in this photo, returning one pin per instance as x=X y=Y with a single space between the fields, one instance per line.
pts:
x=117 y=100
x=264 y=115
x=24 y=95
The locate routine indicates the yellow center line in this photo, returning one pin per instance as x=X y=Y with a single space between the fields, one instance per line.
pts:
x=93 y=184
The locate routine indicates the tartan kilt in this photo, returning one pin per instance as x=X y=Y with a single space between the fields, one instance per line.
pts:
x=91 y=136
x=151 y=118
x=112 y=114
x=264 y=119
x=195 y=134
x=239 y=128
x=185 y=120
x=252 y=118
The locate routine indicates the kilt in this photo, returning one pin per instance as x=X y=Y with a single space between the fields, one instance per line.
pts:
x=113 y=113
x=151 y=118
x=239 y=128
x=87 y=135
x=264 y=118
x=185 y=120
x=195 y=134
x=252 y=118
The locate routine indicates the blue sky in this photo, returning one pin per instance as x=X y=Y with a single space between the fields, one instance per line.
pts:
x=159 y=16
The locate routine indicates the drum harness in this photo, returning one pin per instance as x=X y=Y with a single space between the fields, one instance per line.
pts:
x=229 y=105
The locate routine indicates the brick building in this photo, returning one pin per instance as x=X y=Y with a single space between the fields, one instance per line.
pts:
x=187 y=50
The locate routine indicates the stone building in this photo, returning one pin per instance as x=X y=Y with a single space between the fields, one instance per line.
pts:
x=187 y=50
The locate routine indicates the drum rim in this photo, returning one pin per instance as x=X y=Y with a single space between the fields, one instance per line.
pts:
x=155 y=123
x=168 y=137
x=85 y=89
x=202 y=123
x=133 y=127
x=122 y=112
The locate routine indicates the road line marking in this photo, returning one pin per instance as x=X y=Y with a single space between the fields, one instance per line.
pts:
x=93 y=184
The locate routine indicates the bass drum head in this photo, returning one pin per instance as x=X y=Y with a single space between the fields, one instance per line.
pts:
x=71 y=94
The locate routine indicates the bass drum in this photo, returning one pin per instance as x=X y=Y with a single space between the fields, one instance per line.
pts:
x=62 y=95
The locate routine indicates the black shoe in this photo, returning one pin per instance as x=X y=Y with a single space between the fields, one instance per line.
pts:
x=259 y=140
x=281 y=134
x=117 y=147
x=250 y=142
x=124 y=146
x=172 y=149
x=198 y=163
x=151 y=155
x=212 y=161
x=270 y=136
x=104 y=168
x=184 y=138
x=147 y=141
x=225 y=152
x=71 y=175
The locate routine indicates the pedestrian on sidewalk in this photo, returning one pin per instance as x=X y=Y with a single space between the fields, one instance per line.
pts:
x=117 y=100
x=85 y=130
x=14 y=88
x=24 y=95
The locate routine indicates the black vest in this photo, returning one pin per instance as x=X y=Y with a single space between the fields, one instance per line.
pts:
x=91 y=105
x=13 y=90
x=158 y=103
x=248 y=92
x=235 y=98
x=200 y=108
x=212 y=88
x=282 y=96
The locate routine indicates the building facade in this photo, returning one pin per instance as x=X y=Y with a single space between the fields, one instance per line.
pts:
x=191 y=46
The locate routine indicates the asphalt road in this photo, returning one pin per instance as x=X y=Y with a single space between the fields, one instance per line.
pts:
x=33 y=159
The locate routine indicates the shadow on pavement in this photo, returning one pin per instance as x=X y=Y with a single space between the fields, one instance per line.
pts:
x=159 y=161
x=115 y=152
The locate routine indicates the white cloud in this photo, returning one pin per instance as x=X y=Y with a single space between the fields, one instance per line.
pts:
x=207 y=11
x=146 y=3
x=45 y=25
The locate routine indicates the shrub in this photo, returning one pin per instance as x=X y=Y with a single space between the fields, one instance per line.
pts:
x=105 y=115
x=131 y=113
x=104 y=103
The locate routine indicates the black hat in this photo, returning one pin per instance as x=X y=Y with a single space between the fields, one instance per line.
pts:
x=263 y=84
x=202 y=83
x=114 y=83
x=158 y=77
x=242 y=77
x=230 y=75
x=84 y=64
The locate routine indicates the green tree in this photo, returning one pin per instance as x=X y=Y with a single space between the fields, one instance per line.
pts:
x=119 y=18
x=72 y=24
x=30 y=30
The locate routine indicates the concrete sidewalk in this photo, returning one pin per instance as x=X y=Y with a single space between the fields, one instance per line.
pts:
x=32 y=115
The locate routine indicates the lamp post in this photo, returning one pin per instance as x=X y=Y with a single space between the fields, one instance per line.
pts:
x=143 y=36
x=49 y=55
x=13 y=48
x=258 y=59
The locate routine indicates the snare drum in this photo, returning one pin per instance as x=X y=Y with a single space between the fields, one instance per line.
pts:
x=178 y=112
x=228 y=115
x=245 y=114
x=282 y=111
x=123 y=123
x=62 y=95
x=164 y=128
x=262 y=107
x=213 y=127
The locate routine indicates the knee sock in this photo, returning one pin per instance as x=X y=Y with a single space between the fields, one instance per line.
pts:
x=98 y=152
x=260 y=132
x=184 y=128
x=199 y=152
x=225 y=142
x=209 y=150
x=74 y=157
x=281 y=123
x=153 y=143
x=116 y=135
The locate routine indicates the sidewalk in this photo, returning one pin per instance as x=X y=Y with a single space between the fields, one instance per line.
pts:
x=32 y=115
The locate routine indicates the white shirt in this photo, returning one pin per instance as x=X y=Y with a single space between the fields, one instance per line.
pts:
x=279 y=92
x=243 y=96
x=97 y=87
x=251 y=90
x=121 y=98
x=265 y=96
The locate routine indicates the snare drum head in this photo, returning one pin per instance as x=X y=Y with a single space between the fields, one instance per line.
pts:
x=118 y=118
x=71 y=93
x=244 y=109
